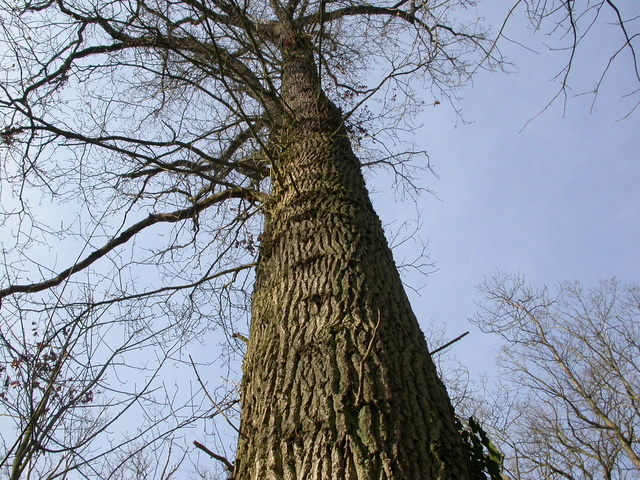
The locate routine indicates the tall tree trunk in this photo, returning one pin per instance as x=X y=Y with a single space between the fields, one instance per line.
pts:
x=338 y=382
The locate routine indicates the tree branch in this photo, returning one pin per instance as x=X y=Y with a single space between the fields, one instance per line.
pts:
x=220 y=458
x=129 y=233
x=448 y=344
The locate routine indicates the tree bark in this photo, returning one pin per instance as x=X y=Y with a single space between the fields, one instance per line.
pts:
x=338 y=382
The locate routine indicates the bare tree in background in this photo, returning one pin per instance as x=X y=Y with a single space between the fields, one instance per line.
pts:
x=569 y=403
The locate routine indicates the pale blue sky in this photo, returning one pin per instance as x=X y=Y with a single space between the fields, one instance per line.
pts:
x=556 y=201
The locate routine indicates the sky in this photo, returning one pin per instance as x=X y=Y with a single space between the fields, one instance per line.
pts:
x=552 y=197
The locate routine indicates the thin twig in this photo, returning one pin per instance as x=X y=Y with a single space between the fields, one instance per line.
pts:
x=448 y=344
x=213 y=402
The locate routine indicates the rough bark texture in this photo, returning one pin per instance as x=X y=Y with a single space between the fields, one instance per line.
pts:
x=338 y=382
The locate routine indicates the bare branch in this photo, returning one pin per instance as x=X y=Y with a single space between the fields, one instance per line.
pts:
x=129 y=233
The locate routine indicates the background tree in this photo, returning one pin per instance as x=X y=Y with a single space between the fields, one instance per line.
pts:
x=567 y=406
x=181 y=139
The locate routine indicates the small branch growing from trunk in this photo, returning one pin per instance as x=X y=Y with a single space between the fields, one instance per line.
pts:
x=448 y=344
x=220 y=458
